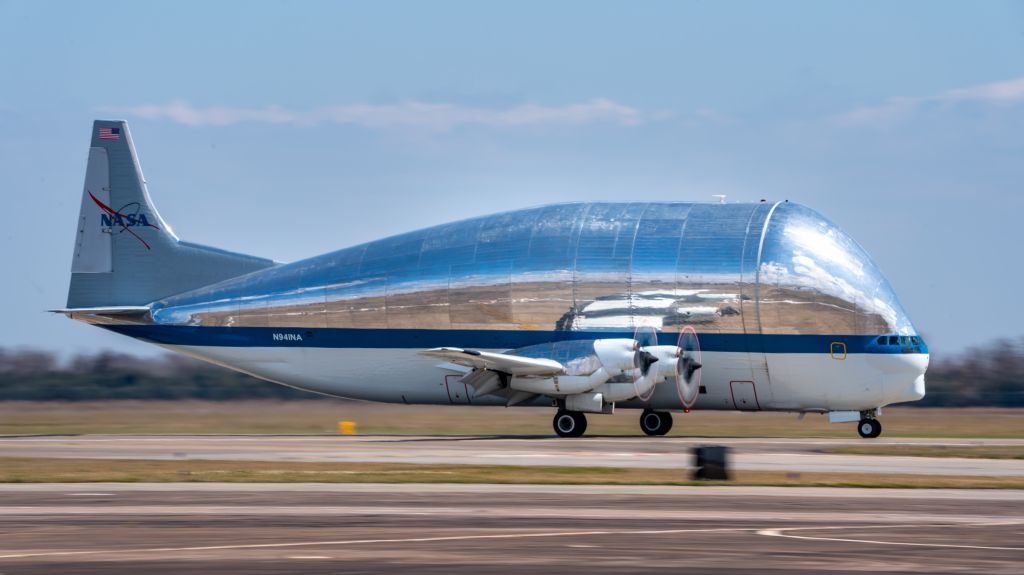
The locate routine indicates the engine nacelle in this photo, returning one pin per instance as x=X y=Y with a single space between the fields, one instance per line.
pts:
x=591 y=364
x=616 y=355
x=668 y=358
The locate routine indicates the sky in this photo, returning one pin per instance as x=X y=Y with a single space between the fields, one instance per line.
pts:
x=288 y=129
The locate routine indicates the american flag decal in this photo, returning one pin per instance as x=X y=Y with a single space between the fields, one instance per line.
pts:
x=110 y=133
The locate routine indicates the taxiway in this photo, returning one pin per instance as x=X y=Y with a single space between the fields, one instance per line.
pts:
x=319 y=528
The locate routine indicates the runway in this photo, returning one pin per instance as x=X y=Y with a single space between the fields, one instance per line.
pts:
x=319 y=528
x=753 y=454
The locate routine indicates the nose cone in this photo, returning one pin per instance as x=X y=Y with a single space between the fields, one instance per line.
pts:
x=902 y=376
x=917 y=391
x=815 y=279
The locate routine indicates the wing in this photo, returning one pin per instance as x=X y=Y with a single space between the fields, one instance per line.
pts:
x=505 y=363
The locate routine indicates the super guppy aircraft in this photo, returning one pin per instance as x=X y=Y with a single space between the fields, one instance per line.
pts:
x=660 y=306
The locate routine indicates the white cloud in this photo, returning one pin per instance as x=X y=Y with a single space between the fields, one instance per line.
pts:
x=892 y=109
x=897 y=108
x=1008 y=92
x=412 y=114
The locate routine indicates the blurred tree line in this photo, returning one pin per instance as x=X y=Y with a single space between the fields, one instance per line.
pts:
x=991 y=375
x=39 y=375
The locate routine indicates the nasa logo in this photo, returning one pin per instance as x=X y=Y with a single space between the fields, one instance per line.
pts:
x=124 y=220
x=287 y=337
x=129 y=216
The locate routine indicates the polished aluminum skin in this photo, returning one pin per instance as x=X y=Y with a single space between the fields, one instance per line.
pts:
x=775 y=306
x=756 y=268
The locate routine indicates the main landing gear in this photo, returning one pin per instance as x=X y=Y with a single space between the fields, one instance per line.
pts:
x=574 y=423
x=655 y=422
x=570 y=423
x=869 y=428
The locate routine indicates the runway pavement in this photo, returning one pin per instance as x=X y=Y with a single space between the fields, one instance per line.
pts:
x=295 y=528
x=755 y=454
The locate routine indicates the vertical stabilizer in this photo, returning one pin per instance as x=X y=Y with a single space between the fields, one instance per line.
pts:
x=125 y=253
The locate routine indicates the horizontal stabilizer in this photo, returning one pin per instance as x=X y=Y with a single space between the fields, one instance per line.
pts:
x=511 y=364
x=121 y=310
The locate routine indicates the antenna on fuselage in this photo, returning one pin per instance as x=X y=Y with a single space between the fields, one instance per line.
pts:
x=721 y=197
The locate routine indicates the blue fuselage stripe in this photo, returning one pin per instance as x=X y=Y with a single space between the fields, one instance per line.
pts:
x=345 y=338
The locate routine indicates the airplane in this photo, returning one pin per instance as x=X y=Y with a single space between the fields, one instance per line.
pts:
x=583 y=307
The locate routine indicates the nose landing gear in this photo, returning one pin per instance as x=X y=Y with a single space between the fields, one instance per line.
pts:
x=655 y=422
x=869 y=428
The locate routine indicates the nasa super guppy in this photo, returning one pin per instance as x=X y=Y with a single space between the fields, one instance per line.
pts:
x=582 y=307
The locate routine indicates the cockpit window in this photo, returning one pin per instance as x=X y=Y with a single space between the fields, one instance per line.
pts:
x=905 y=343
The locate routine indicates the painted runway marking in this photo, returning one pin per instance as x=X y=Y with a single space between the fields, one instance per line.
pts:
x=373 y=541
x=780 y=533
x=777 y=532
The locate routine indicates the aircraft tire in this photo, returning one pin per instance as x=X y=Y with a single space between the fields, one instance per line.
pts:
x=869 y=428
x=569 y=423
x=666 y=426
x=655 y=422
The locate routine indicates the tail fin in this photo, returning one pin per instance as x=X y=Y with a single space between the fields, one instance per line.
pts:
x=125 y=253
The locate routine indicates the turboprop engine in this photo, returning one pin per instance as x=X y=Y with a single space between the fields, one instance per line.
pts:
x=587 y=375
x=600 y=372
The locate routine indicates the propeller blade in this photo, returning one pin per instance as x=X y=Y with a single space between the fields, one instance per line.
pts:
x=643 y=380
x=645 y=360
x=690 y=366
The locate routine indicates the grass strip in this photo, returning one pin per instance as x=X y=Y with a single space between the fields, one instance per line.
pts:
x=59 y=470
x=965 y=451
x=322 y=416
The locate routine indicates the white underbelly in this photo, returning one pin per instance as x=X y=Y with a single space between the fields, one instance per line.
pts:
x=730 y=380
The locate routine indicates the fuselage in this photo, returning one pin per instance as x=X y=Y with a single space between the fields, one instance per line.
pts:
x=791 y=313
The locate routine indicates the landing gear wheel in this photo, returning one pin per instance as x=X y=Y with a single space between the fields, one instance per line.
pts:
x=655 y=422
x=570 y=423
x=869 y=428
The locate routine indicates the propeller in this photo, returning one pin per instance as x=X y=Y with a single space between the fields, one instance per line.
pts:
x=645 y=336
x=644 y=360
x=688 y=367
